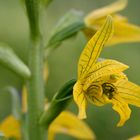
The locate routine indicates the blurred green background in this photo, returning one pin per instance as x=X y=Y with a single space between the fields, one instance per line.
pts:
x=63 y=62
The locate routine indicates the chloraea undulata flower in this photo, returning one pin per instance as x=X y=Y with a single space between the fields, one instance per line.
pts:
x=102 y=82
x=123 y=30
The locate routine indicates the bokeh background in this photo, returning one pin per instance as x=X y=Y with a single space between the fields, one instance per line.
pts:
x=63 y=61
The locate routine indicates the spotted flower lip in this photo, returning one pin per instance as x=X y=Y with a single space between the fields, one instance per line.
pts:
x=103 y=82
x=123 y=30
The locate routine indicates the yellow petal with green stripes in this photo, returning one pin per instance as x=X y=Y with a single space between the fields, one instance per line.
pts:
x=102 y=69
x=93 y=48
x=129 y=91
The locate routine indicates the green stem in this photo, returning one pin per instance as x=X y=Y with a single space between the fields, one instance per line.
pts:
x=35 y=84
x=35 y=91
x=32 y=7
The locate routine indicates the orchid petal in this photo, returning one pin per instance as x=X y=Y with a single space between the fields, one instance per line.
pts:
x=69 y=124
x=102 y=12
x=93 y=48
x=129 y=91
x=102 y=69
x=122 y=108
x=80 y=100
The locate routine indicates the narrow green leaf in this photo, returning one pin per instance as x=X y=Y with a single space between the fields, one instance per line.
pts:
x=10 y=60
x=59 y=102
x=65 y=33
x=69 y=18
x=68 y=26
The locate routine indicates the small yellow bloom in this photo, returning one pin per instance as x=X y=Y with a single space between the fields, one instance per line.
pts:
x=103 y=82
x=69 y=124
x=10 y=127
x=123 y=31
x=135 y=138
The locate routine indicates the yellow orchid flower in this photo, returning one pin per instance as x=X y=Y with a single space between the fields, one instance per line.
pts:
x=69 y=124
x=123 y=31
x=10 y=127
x=135 y=138
x=102 y=82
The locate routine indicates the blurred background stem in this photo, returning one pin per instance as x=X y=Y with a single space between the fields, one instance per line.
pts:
x=35 y=84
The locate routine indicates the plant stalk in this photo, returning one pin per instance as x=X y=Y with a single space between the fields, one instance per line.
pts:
x=35 y=92
x=35 y=84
